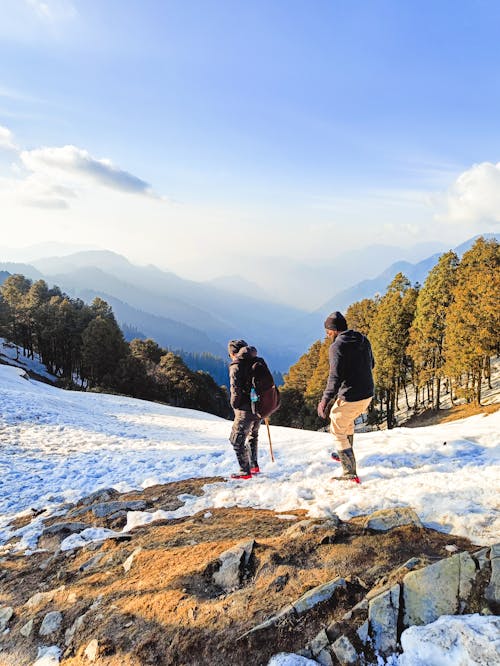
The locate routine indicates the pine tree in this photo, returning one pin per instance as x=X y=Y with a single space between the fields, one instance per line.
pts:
x=473 y=319
x=389 y=337
x=360 y=315
x=428 y=328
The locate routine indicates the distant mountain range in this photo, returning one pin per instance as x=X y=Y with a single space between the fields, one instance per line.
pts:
x=201 y=316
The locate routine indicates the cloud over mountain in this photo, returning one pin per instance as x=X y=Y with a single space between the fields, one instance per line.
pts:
x=475 y=195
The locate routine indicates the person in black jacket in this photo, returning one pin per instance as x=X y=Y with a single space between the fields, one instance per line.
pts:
x=246 y=423
x=349 y=389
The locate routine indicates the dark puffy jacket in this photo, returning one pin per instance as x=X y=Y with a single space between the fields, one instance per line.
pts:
x=240 y=380
x=351 y=364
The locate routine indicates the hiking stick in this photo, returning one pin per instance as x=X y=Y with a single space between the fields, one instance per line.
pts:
x=266 y=421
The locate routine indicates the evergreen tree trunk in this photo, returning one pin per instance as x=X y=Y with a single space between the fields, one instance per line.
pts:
x=438 y=394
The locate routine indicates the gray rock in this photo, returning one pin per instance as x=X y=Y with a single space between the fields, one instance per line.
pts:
x=91 y=563
x=27 y=628
x=439 y=589
x=75 y=627
x=324 y=658
x=386 y=519
x=92 y=649
x=287 y=611
x=334 y=631
x=52 y=536
x=101 y=495
x=108 y=508
x=383 y=614
x=482 y=559
x=128 y=562
x=363 y=632
x=6 y=612
x=232 y=565
x=319 y=642
x=43 y=598
x=317 y=595
x=345 y=652
x=495 y=551
x=51 y=623
x=492 y=593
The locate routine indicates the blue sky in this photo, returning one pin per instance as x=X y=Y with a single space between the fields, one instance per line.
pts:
x=316 y=126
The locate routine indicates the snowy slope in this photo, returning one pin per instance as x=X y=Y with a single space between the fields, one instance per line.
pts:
x=57 y=446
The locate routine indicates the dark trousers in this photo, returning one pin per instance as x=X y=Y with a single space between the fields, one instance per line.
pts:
x=245 y=427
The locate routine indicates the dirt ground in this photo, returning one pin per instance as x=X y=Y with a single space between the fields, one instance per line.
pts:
x=167 y=610
x=430 y=417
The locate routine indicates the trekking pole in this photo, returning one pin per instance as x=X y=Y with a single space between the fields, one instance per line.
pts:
x=270 y=443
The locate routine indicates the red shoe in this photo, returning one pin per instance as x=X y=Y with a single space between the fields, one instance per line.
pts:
x=239 y=475
x=255 y=470
x=335 y=456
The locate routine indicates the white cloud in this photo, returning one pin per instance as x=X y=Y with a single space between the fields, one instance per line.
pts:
x=474 y=197
x=71 y=164
x=7 y=139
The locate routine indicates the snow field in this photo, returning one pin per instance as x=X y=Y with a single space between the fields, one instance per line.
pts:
x=57 y=446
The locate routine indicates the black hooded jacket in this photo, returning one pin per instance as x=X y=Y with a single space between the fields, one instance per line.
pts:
x=351 y=364
x=240 y=379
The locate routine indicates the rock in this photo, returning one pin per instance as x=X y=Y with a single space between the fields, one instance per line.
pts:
x=271 y=622
x=492 y=593
x=386 y=519
x=27 y=628
x=290 y=659
x=51 y=623
x=92 y=650
x=52 y=536
x=324 y=658
x=439 y=589
x=311 y=526
x=232 y=565
x=108 y=508
x=43 y=598
x=319 y=642
x=363 y=632
x=345 y=652
x=128 y=562
x=76 y=626
x=317 y=595
x=495 y=551
x=102 y=495
x=6 y=612
x=91 y=563
x=48 y=656
x=334 y=631
x=383 y=613
x=481 y=558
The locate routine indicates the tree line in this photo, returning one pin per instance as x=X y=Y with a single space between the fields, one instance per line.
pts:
x=436 y=339
x=84 y=347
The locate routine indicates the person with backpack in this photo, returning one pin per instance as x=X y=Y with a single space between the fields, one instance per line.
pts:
x=349 y=389
x=253 y=396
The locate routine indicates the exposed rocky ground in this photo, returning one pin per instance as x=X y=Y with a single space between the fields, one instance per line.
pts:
x=232 y=585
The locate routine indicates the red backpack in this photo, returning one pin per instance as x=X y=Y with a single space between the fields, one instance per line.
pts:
x=268 y=397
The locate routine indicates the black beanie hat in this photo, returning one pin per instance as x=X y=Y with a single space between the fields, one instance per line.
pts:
x=336 y=322
x=234 y=346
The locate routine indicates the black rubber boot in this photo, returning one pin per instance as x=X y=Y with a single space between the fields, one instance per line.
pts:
x=253 y=445
x=242 y=456
x=348 y=462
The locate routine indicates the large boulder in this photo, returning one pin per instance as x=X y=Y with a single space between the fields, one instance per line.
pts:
x=386 y=519
x=383 y=614
x=232 y=565
x=439 y=589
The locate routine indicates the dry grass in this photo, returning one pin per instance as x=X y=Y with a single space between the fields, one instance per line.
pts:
x=430 y=417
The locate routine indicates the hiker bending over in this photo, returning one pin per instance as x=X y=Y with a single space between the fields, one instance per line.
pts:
x=246 y=423
x=349 y=390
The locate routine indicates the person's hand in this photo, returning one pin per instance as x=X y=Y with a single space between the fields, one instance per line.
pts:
x=322 y=409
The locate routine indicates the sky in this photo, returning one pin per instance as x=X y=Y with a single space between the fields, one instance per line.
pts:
x=192 y=133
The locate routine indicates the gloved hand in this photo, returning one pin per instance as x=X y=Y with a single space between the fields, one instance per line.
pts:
x=322 y=409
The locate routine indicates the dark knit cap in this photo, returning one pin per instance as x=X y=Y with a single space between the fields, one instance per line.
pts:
x=336 y=322
x=234 y=346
